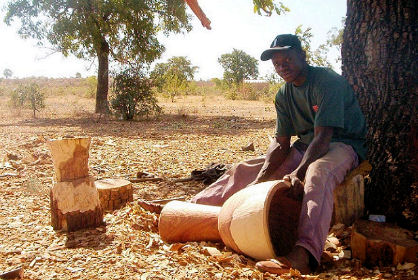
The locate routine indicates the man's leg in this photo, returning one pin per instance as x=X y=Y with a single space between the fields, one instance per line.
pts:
x=321 y=178
x=242 y=174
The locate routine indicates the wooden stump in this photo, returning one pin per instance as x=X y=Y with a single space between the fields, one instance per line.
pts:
x=70 y=157
x=75 y=205
x=114 y=193
x=375 y=243
x=74 y=199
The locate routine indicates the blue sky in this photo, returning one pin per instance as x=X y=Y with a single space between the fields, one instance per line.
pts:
x=234 y=25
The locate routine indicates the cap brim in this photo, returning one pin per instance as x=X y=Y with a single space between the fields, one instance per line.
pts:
x=267 y=54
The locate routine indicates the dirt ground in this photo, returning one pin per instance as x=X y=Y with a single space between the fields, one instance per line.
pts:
x=192 y=133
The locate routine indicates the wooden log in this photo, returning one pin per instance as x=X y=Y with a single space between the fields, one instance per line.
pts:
x=70 y=158
x=75 y=204
x=184 y=221
x=114 y=193
x=375 y=243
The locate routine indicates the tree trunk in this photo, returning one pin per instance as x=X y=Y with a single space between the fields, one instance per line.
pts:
x=379 y=60
x=102 y=78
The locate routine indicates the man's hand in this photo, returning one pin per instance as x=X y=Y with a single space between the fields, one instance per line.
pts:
x=297 y=187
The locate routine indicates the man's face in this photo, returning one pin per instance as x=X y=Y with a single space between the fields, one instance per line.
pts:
x=289 y=65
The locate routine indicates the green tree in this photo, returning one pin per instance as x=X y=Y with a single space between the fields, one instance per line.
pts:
x=238 y=66
x=123 y=30
x=174 y=76
x=317 y=57
x=28 y=96
x=7 y=73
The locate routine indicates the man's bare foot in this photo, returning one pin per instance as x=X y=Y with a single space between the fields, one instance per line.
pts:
x=298 y=259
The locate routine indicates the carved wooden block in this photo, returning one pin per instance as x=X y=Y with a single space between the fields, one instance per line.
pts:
x=70 y=158
x=75 y=205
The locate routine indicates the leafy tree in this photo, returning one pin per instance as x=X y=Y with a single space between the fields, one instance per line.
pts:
x=174 y=76
x=316 y=57
x=78 y=75
x=28 y=96
x=123 y=30
x=132 y=94
x=7 y=73
x=238 y=66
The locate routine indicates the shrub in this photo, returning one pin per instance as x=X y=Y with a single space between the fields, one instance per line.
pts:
x=28 y=96
x=91 y=86
x=132 y=95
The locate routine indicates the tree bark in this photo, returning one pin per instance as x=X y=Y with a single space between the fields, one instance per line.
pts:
x=102 y=78
x=380 y=62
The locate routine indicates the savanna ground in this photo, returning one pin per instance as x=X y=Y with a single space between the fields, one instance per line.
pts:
x=192 y=133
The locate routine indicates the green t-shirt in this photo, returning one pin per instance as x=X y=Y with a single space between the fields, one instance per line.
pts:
x=324 y=99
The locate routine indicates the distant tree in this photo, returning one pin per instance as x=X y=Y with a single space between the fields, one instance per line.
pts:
x=238 y=66
x=78 y=75
x=28 y=96
x=316 y=57
x=174 y=76
x=7 y=73
x=123 y=30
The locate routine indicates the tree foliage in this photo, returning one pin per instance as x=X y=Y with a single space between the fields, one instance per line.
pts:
x=335 y=38
x=132 y=94
x=268 y=7
x=125 y=30
x=317 y=57
x=174 y=76
x=7 y=73
x=28 y=96
x=238 y=66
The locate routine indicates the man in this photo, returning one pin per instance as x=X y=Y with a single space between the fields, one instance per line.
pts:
x=317 y=105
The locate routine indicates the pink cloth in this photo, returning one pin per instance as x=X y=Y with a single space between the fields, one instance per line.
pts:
x=321 y=178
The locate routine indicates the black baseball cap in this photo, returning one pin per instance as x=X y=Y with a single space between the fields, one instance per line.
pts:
x=280 y=43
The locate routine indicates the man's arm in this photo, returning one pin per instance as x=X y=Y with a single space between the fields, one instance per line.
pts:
x=318 y=147
x=276 y=153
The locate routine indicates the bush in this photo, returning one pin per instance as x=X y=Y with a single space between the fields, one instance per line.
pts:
x=132 y=95
x=28 y=96
x=91 y=86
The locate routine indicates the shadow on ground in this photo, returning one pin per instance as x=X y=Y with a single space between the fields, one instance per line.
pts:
x=165 y=125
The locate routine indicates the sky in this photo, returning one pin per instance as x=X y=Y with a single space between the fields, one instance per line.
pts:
x=234 y=25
